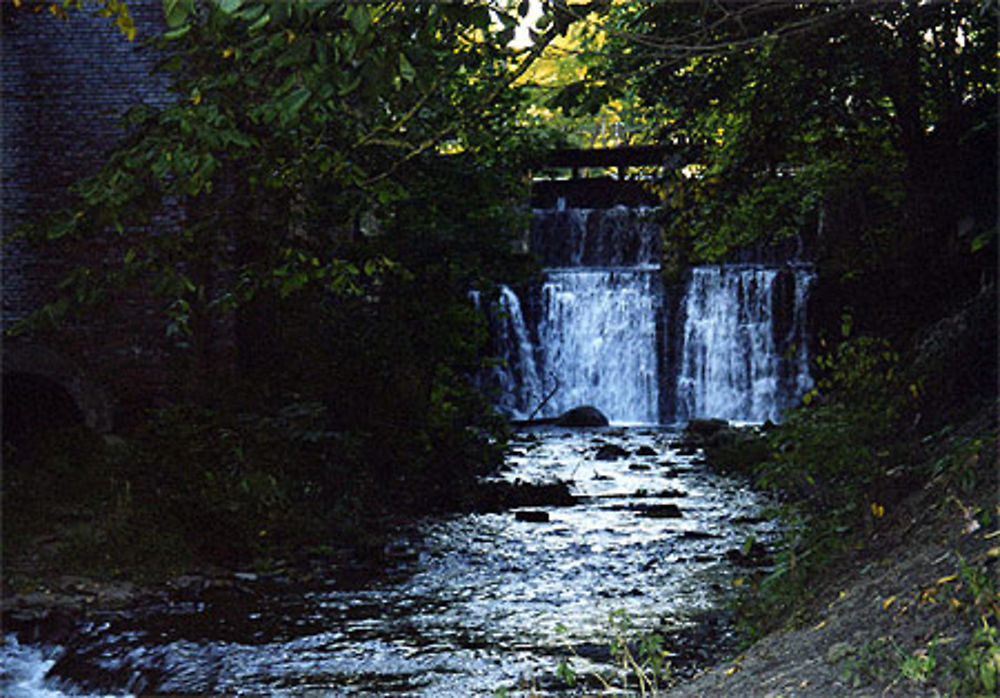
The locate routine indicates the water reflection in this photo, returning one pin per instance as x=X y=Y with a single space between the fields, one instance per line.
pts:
x=472 y=602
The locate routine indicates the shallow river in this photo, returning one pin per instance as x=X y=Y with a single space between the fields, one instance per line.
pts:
x=467 y=605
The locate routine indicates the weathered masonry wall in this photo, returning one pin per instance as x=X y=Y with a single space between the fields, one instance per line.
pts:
x=63 y=88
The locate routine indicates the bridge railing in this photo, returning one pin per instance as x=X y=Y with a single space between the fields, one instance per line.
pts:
x=562 y=176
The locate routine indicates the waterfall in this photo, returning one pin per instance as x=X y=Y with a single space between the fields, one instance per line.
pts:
x=598 y=338
x=514 y=375
x=734 y=361
x=731 y=343
x=582 y=237
x=598 y=309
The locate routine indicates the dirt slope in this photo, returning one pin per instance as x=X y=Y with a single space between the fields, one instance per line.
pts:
x=895 y=620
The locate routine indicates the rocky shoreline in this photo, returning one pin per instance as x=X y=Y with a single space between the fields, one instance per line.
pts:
x=895 y=599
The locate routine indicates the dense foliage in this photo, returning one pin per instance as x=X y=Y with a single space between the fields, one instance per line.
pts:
x=311 y=212
x=334 y=178
x=868 y=128
x=869 y=131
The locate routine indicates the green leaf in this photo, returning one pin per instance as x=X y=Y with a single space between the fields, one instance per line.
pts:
x=988 y=676
x=251 y=13
x=229 y=6
x=293 y=103
x=176 y=12
x=565 y=672
x=260 y=23
x=297 y=53
x=177 y=33
x=846 y=325
x=981 y=241
x=359 y=17
x=406 y=69
x=346 y=83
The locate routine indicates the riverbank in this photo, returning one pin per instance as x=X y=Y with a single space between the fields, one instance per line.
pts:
x=912 y=612
x=43 y=597
x=458 y=604
x=875 y=625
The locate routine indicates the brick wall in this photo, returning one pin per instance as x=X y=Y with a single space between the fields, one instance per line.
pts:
x=63 y=88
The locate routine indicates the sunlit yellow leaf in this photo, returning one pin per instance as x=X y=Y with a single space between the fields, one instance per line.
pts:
x=732 y=670
x=888 y=602
x=820 y=625
x=947 y=578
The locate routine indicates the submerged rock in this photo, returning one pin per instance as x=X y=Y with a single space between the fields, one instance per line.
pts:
x=669 y=493
x=584 y=416
x=661 y=511
x=705 y=428
x=499 y=495
x=532 y=516
x=610 y=452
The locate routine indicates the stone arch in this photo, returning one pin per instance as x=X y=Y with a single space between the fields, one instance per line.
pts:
x=43 y=389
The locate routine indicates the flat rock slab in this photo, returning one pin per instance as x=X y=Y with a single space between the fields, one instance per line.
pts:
x=532 y=516
x=661 y=511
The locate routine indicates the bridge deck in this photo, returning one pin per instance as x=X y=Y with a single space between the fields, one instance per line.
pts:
x=598 y=192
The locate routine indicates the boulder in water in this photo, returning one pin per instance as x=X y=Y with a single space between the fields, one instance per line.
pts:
x=705 y=428
x=585 y=416
x=532 y=516
x=661 y=511
x=610 y=452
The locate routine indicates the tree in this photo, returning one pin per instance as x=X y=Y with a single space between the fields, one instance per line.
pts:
x=884 y=112
x=332 y=181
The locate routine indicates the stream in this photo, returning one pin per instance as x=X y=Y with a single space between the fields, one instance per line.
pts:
x=464 y=605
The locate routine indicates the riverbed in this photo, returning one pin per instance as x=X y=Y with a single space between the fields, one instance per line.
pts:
x=465 y=604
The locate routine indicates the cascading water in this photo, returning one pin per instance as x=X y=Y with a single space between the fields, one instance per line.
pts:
x=733 y=363
x=598 y=309
x=515 y=376
x=598 y=338
x=737 y=338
